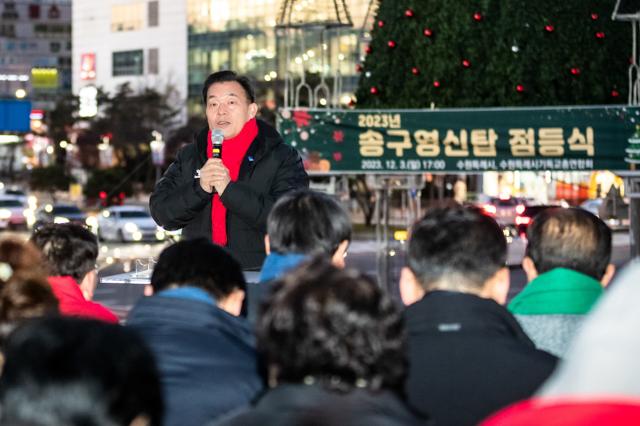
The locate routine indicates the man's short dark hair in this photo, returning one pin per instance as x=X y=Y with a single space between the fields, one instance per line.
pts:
x=457 y=245
x=198 y=263
x=569 y=238
x=77 y=372
x=307 y=222
x=68 y=249
x=334 y=325
x=227 y=75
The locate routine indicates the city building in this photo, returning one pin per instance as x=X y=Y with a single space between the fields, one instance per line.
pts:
x=35 y=70
x=173 y=43
x=247 y=36
x=35 y=40
x=142 y=43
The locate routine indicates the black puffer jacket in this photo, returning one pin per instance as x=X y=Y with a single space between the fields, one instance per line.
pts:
x=269 y=169
x=297 y=404
x=468 y=357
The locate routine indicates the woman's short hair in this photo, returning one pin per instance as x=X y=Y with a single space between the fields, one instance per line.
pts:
x=334 y=326
x=18 y=255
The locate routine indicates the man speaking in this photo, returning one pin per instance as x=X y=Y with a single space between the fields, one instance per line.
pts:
x=225 y=193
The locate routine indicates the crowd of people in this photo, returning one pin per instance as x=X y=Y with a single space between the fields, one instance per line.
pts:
x=316 y=343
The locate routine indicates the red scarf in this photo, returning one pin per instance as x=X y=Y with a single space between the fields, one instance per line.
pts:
x=233 y=152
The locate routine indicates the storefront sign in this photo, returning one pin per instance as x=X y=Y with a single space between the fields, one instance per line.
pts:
x=87 y=66
x=14 y=116
x=44 y=78
x=460 y=140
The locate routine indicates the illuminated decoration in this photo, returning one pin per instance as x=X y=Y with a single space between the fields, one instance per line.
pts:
x=157 y=152
x=14 y=77
x=88 y=101
x=44 y=78
x=297 y=19
x=105 y=151
x=157 y=148
x=88 y=66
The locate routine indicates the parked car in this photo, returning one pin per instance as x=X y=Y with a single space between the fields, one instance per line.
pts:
x=524 y=219
x=60 y=213
x=15 y=193
x=128 y=223
x=504 y=209
x=13 y=213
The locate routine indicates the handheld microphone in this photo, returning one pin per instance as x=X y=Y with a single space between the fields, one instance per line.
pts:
x=216 y=143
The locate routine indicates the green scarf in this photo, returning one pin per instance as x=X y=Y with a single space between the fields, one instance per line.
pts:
x=556 y=292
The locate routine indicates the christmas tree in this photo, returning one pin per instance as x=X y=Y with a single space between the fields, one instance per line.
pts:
x=494 y=53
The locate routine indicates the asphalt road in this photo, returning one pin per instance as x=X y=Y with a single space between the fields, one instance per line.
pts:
x=363 y=255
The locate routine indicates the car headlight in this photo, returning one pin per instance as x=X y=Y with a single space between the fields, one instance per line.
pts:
x=5 y=213
x=60 y=219
x=130 y=227
x=91 y=221
x=32 y=201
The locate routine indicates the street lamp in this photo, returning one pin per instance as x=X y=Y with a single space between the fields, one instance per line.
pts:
x=157 y=152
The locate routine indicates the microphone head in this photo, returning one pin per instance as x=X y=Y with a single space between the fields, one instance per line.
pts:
x=216 y=143
x=217 y=136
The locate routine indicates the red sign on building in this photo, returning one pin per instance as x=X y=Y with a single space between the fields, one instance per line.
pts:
x=87 y=66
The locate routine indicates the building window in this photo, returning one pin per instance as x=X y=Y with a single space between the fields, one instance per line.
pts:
x=153 y=14
x=128 y=62
x=54 y=12
x=54 y=47
x=10 y=11
x=7 y=30
x=127 y=17
x=153 y=61
x=34 y=11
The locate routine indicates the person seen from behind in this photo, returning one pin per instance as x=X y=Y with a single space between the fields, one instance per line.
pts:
x=567 y=262
x=70 y=252
x=333 y=344
x=468 y=356
x=205 y=351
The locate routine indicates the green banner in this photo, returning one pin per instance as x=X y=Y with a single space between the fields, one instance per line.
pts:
x=461 y=140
